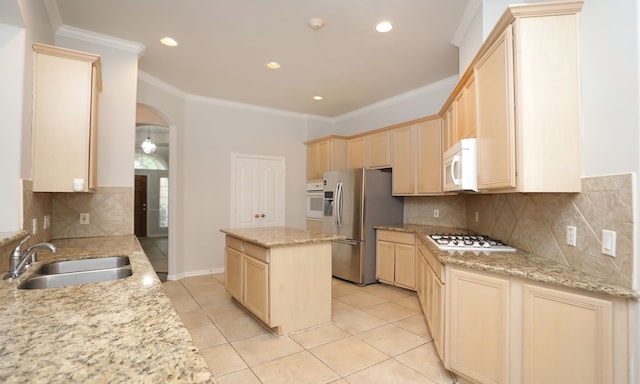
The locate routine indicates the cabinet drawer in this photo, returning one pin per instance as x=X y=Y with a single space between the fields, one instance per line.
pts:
x=233 y=243
x=397 y=237
x=257 y=252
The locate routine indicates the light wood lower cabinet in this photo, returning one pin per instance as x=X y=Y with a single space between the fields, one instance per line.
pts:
x=507 y=330
x=430 y=287
x=395 y=258
x=477 y=344
x=288 y=288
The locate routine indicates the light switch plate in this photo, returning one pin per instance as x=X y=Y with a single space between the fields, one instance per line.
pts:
x=609 y=242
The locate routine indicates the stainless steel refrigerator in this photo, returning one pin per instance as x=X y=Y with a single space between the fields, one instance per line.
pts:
x=356 y=200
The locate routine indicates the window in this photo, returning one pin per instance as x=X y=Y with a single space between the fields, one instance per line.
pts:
x=144 y=161
x=163 y=214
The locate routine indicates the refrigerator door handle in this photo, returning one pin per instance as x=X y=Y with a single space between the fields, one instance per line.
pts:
x=339 y=205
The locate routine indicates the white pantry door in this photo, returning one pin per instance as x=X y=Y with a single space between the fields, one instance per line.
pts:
x=257 y=192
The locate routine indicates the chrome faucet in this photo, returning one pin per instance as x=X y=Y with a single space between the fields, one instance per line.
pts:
x=18 y=261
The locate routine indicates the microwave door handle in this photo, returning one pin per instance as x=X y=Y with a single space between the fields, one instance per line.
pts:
x=456 y=159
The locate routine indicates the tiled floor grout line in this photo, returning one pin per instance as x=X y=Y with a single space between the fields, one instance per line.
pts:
x=345 y=291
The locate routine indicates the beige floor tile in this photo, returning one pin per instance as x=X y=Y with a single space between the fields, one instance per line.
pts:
x=175 y=290
x=207 y=336
x=410 y=302
x=357 y=321
x=425 y=360
x=195 y=319
x=213 y=298
x=244 y=376
x=222 y=359
x=300 y=368
x=219 y=277
x=340 y=381
x=224 y=312
x=389 y=371
x=241 y=328
x=341 y=288
x=349 y=355
x=391 y=339
x=361 y=299
x=266 y=347
x=185 y=304
x=339 y=308
x=201 y=285
x=388 y=292
x=390 y=311
x=318 y=336
x=416 y=324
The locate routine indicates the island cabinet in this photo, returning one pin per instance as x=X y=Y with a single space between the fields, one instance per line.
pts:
x=395 y=258
x=325 y=154
x=508 y=330
x=288 y=288
x=65 y=119
x=417 y=158
x=527 y=85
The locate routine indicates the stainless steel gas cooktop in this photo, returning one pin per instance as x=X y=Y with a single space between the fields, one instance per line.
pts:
x=466 y=242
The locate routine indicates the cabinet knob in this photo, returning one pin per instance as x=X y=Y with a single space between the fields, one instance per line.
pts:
x=256 y=215
x=263 y=215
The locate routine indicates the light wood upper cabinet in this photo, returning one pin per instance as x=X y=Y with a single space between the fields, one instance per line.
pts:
x=527 y=84
x=357 y=152
x=465 y=111
x=379 y=150
x=326 y=154
x=417 y=158
x=65 y=116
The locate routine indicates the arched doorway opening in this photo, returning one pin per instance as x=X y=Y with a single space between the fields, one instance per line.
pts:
x=151 y=187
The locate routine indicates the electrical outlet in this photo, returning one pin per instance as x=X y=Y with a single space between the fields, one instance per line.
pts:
x=34 y=226
x=571 y=235
x=46 y=222
x=436 y=213
x=84 y=218
x=609 y=243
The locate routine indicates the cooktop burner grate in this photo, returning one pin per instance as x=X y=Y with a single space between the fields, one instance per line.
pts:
x=467 y=242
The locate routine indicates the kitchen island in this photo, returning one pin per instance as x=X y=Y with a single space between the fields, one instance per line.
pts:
x=281 y=275
x=120 y=331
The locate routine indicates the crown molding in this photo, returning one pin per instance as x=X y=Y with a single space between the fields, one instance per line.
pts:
x=100 y=39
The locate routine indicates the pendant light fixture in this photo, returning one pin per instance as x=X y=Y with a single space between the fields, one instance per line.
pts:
x=147 y=146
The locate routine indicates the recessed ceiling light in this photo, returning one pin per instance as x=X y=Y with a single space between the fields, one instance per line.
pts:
x=273 y=65
x=168 y=41
x=384 y=26
x=318 y=98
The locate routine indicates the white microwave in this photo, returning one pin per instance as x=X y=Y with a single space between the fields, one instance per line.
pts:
x=460 y=164
x=314 y=200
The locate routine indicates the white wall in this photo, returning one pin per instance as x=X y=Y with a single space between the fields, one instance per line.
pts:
x=415 y=104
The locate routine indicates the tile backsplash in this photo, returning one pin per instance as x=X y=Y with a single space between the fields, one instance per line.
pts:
x=537 y=222
x=110 y=212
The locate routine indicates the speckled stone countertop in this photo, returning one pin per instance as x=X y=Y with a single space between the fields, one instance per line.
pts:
x=121 y=331
x=519 y=264
x=278 y=236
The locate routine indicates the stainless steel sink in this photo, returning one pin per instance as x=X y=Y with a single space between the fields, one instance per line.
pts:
x=83 y=265
x=75 y=278
x=76 y=272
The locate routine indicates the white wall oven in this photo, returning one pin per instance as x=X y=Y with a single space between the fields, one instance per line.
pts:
x=314 y=202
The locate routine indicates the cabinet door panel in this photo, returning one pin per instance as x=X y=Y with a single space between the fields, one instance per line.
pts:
x=357 y=153
x=405 y=267
x=379 y=150
x=429 y=157
x=385 y=262
x=495 y=111
x=404 y=173
x=567 y=338
x=478 y=346
x=233 y=273
x=256 y=287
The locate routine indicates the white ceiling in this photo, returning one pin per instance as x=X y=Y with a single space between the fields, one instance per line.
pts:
x=225 y=44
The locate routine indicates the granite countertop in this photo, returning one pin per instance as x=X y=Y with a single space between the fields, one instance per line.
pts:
x=278 y=236
x=121 y=331
x=518 y=264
